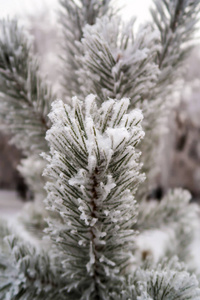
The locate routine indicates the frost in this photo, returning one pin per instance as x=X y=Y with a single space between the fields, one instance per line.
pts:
x=91 y=262
x=81 y=242
x=79 y=179
x=91 y=163
x=107 y=261
x=89 y=106
x=93 y=222
x=107 y=187
x=83 y=215
x=117 y=135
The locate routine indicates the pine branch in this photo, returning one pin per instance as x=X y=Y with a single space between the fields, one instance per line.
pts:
x=175 y=208
x=117 y=67
x=74 y=16
x=27 y=271
x=176 y=21
x=25 y=98
x=116 y=62
x=174 y=212
x=94 y=173
x=168 y=280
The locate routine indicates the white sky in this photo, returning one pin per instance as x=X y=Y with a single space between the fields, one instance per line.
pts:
x=137 y=8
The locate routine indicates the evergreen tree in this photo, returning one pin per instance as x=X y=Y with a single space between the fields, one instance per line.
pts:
x=84 y=242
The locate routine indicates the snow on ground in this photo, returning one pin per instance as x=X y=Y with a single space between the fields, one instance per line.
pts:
x=10 y=203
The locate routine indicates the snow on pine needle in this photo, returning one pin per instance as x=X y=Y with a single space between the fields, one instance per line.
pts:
x=25 y=98
x=117 y=62
x=94 y=172
x=76 y=14
x=168 y=280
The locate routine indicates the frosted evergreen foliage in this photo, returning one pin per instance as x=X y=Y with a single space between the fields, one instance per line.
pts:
x=25 y=101
x=131 y=65
x=74 y=16
x=24 y=96
x=175 y=203
x=92 y=187
x=176 y=21
x=175 y=215
x=27 y=273
x=96 y=240
x=124 y=66
x=118 y=62
x=167 y=281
